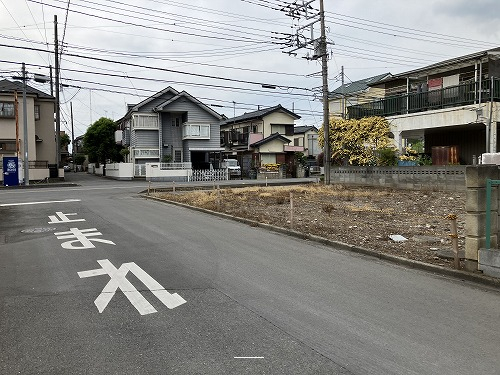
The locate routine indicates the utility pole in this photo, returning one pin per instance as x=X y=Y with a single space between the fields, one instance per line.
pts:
x=16 y=114
x=25 y=131
x=324 y=74
x=343 y=92
x=72 y=137
x=298 y=41
x=58 y=114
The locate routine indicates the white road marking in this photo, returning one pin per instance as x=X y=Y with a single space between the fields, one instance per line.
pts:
x=60 y=217
x=248 y=357
x=81 y=236
x=118 y=281
x=43 y=202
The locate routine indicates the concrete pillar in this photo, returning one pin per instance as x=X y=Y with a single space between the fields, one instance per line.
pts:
x=475 y=206
x=398 y=140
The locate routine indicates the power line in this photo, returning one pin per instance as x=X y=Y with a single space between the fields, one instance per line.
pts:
x=167 y=70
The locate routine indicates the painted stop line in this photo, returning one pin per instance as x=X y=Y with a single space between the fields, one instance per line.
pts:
x=119 y=281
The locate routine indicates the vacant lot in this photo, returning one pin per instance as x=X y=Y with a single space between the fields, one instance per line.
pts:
x=364 y=217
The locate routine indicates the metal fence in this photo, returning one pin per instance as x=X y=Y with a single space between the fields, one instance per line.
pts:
x=209 y=175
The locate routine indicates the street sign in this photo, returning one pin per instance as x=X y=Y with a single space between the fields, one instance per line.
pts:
x=10 y=171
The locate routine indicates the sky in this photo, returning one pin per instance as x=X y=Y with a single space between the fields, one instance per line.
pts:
x=222 y=52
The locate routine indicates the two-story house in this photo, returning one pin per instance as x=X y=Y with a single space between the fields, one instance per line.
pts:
x=173 y=126
x=40 y=125
x=452 y=105
x=354 y=93
x=307 y=137
x=260 y=137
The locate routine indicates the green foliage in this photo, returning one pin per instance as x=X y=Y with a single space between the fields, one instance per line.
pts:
x=166 y=159
x=99 y=141
x=417 y=145
x=387 y=157
x=79 y=159
x=300 y=158
x=357 y=141
x=424 y=160
x=64 y=140
x=124 y=152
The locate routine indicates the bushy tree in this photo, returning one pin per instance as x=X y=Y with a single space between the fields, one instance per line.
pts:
x=99 y=142
x=358 y=141
x=64 y=140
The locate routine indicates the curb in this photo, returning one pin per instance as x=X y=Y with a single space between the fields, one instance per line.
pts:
x=458 y=274
x=42 y=186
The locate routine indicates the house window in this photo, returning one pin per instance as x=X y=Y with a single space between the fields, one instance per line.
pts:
x=7 y=110
x=196 y=131
x=37 y=112
x=177 y=156
x=289 y=130
x=176 y=121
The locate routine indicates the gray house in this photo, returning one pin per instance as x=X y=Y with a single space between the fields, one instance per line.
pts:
x=170 y=125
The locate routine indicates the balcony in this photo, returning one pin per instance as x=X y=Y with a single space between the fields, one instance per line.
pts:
x=454 y=96
x=146 y=153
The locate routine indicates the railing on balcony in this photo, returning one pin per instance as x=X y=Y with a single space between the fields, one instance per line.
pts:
x=453 y=96
x=146 y=153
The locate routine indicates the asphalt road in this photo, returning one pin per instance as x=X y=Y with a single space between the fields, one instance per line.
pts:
x=159 y=289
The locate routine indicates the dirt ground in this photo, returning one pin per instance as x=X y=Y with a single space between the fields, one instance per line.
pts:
x=364 y=217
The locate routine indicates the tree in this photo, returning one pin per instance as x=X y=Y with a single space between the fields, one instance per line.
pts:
x=358 y=141
x=79 y=159
x=64 y=140
x=99 y=141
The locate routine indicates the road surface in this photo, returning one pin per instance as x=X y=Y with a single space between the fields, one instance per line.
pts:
x=97 y=280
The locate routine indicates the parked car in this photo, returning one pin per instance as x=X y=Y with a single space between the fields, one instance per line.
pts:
x=232 y=166
x=67 y=168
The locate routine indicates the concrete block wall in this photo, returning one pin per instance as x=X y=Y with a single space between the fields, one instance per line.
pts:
x=475 y=206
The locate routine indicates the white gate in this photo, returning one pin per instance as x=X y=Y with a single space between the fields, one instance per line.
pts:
x=140 y=170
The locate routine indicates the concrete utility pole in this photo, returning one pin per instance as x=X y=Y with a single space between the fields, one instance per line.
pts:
x=343 y=92
x=58 y=113
x=72 y=137
x=25 y=131
x=324 y=74
x=298 y=41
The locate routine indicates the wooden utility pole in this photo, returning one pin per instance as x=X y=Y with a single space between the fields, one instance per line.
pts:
x=16 y=114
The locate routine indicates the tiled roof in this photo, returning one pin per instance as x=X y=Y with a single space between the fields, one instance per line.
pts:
x=271 y=138
x=357 y=86
x=259 y=114
x=303 y=129
x=7 y=86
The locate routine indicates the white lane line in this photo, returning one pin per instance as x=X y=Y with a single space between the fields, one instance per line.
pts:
x=43 y=202
x=248 y=357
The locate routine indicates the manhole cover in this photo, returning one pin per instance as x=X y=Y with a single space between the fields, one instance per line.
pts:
x=37 y=230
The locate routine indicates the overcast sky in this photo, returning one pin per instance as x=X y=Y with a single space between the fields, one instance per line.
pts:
x=221 y=51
